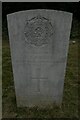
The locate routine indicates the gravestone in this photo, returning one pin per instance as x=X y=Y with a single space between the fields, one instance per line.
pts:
x=39 y=41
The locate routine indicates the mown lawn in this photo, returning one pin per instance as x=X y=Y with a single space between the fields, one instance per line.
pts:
x=69 y=107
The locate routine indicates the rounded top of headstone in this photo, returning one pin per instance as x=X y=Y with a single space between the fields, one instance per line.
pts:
x=38 y=30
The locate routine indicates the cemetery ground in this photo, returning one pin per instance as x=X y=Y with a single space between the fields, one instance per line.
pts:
x=69 y=107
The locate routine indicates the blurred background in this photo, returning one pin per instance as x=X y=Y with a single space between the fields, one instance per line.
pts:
x=10 y=7
x=70 y=104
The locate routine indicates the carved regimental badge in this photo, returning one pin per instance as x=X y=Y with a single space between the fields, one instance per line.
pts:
x=38 y=31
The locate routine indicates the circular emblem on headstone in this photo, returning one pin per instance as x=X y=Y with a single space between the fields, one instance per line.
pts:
x=37 y=31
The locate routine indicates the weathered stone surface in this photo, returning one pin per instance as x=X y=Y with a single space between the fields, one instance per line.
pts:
x=38 y=31
x=39 y=42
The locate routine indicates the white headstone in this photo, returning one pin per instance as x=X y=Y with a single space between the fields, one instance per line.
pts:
x=39 y=42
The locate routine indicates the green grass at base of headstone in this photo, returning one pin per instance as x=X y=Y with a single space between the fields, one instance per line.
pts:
x=69 y=107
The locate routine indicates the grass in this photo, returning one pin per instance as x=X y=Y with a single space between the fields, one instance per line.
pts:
x=69 y=107
x=0 y=78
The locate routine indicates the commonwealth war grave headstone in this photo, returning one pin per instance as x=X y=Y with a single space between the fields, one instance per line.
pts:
x=39 y=41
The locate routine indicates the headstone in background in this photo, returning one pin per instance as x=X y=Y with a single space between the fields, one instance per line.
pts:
x=39 y=42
